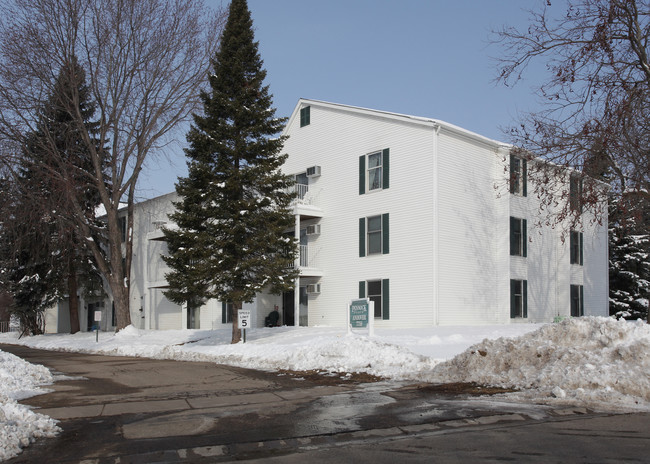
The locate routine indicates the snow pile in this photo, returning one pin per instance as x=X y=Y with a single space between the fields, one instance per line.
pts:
x=597 y=362
x=19 y=426
x=333 y=352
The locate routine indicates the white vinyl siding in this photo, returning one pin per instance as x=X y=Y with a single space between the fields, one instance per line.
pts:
x=469 y=257
x=407 y=200
x=450 y=206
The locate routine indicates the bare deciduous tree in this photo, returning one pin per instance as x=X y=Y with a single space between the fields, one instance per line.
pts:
x=145 y=62
x=596 y=113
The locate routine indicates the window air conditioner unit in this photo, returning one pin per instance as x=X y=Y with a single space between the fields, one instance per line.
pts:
x=313 y=229
x=313 y=171
x=313 y=288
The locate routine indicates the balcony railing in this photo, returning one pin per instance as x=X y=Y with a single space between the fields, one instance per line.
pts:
x=306 y=195
x=308 y=256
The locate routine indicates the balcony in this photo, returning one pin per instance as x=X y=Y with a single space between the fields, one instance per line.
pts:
x=308 y=261
x=307 y=201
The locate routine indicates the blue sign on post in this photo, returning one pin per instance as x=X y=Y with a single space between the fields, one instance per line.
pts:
x=360 y=315
x=359 y=310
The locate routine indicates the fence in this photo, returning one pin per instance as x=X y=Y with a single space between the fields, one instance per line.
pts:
x=5 y=327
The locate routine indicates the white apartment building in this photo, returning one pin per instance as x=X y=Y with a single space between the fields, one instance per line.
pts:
x=430 y=221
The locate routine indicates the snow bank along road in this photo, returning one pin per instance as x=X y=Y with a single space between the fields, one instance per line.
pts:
x=123 y=409
x=592 y=363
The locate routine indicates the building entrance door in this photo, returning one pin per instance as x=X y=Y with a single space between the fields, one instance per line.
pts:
x=288 y=306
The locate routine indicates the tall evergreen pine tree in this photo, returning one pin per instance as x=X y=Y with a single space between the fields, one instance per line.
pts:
x=234 y=207
x=55 y=183
x=629 y=257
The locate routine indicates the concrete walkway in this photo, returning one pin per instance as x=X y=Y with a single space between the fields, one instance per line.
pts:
x=95 y=386
x=125 y=401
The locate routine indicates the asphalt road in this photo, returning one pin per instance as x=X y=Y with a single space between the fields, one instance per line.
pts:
x=136 y=410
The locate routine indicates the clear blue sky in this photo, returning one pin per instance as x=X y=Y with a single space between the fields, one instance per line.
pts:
x=428 y=58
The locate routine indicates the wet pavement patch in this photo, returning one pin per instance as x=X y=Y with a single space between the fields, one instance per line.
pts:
x=324 y=377
x=463 y=388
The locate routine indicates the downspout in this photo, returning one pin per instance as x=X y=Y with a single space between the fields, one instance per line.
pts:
x=296 y=292
x=436 y=232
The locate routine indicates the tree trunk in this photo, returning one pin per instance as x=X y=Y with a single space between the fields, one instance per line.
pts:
x=118 y=281
x=236 y=333
x=73 y=299
x=121 y=302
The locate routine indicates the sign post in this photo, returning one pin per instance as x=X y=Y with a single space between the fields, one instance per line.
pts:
x=98 y=318
x=361 y=315
x=244 y=317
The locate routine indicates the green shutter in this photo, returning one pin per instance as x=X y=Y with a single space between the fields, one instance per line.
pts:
x=524 y=238
x=513 y=313
x=362 y=175
x=385 y=167
x=304 y=116
x=573 y=258
x=573 y=300
x=224 y=315
x=581 y=246
x=514 y=244
x=524 y=176
x=582 y=300
x=512 y=173
x=362 y=289
x=384 y=230
x=362 y=237
x=524 y=297
x=385 y=299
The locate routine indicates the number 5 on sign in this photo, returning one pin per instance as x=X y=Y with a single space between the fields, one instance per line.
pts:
x=244 y=316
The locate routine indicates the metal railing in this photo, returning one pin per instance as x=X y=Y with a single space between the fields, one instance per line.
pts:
x=309 y=256
x=305 y=195
x=304 y=255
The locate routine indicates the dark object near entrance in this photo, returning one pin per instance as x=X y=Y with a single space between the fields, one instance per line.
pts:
x=272 y=319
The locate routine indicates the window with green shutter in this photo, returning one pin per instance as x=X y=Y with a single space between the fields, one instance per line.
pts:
x=577 y=301
x=374 y=235
x=518 y=237
x=576 y=242
x=575 y=193
x=518 y=176
x=374 y=171
x=226 y=313
x=518 y=298
x=377 y=291
x=305 y=117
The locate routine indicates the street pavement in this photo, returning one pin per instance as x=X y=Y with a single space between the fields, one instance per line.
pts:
x=138 y=410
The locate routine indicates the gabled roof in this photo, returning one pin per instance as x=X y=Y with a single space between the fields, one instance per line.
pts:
x=435 y=124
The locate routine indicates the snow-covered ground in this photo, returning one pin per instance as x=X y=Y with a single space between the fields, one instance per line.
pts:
x=19 y=425
x=598 y=363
